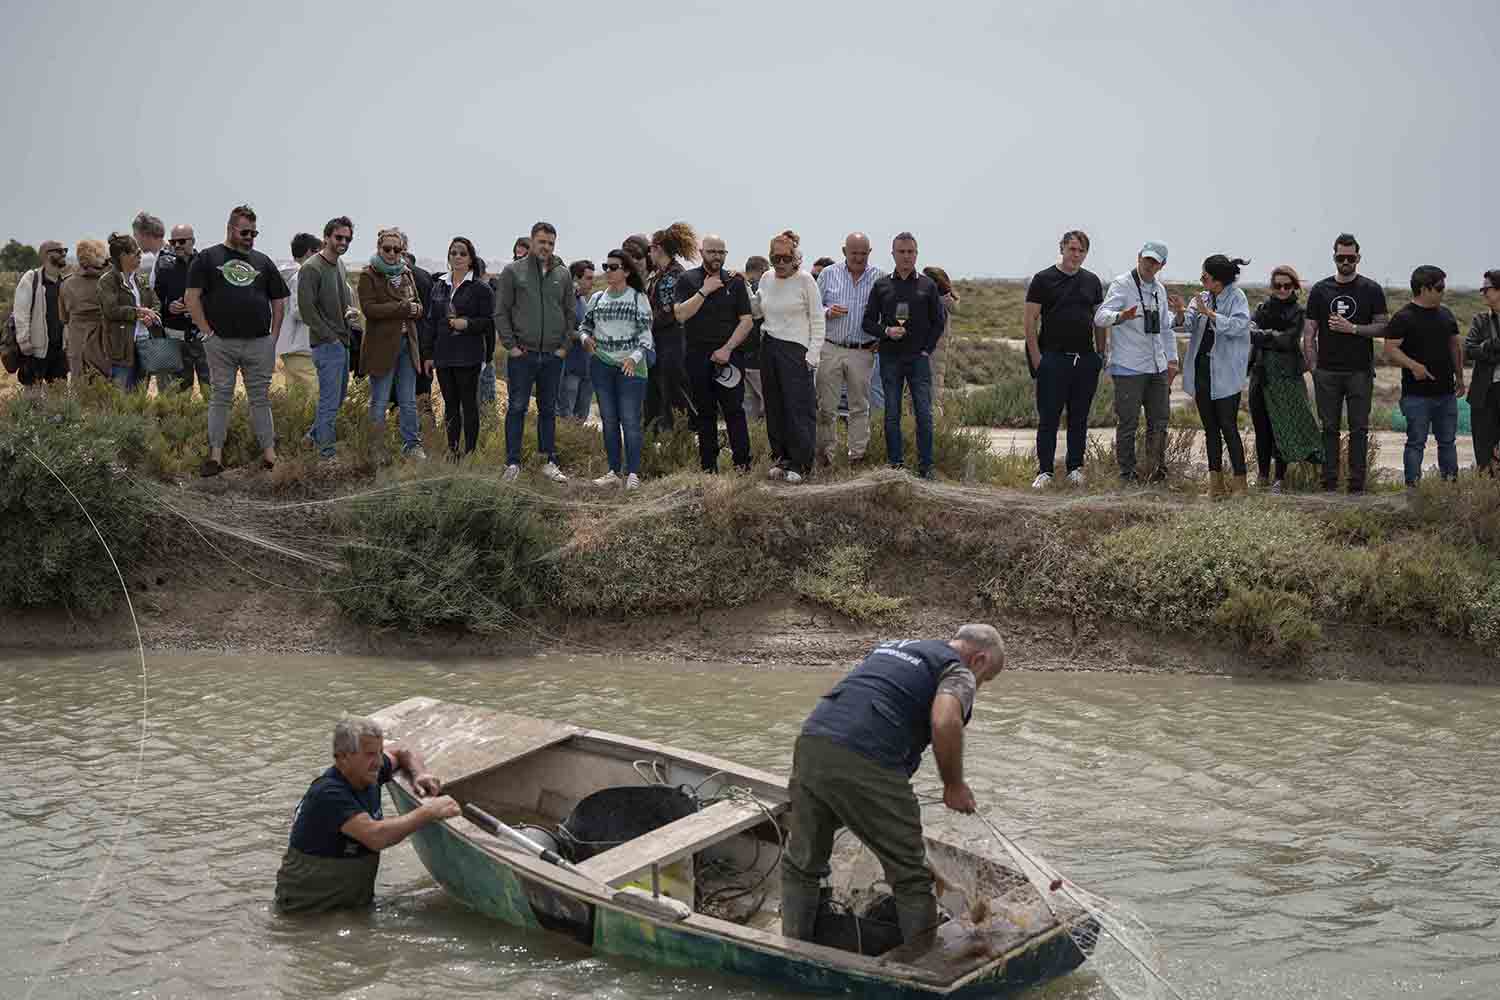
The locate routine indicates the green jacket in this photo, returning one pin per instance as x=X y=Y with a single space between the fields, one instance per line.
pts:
x=535 y=309
x=322 y=300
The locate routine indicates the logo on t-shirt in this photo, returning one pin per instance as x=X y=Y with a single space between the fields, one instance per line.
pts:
x=1343 y=305
x=238 y=273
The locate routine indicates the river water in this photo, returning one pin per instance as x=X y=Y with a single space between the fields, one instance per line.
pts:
x=1324 y=840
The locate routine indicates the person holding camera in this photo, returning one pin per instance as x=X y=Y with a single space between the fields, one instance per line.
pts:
x=1139 y=314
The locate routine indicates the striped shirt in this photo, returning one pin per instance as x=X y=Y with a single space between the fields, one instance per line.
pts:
x=839 y=289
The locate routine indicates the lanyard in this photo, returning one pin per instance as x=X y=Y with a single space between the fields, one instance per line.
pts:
x=1142 y=295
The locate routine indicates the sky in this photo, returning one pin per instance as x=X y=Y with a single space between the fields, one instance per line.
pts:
x=1259 y=130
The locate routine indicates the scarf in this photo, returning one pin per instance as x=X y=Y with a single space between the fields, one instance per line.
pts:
x=389 y=270
x=1275 y=314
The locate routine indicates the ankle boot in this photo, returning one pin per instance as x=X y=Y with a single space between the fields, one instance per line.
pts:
x=1238 y=486
x=1217 y=488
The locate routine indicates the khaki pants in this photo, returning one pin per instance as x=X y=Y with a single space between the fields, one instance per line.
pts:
x=755 y=397
x=838 y=367
x=298 y=369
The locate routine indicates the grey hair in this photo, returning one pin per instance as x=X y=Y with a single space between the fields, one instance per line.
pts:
x=350 y=730
x=147 y=224
x=981 y=639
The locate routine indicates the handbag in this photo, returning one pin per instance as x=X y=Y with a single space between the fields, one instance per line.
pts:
x=158 y=355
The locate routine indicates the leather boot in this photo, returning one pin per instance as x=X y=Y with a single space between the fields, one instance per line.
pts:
x=1238 y=486
x=1217 y=488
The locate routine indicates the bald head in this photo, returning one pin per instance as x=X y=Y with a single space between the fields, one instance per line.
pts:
x=184 y=240
x=856 y=253
x=714 y=251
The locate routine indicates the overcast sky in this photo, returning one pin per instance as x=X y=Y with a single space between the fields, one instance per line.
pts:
x=1258 y=129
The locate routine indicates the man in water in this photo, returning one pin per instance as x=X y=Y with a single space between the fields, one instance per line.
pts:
x=853 y=763
x=339 y=831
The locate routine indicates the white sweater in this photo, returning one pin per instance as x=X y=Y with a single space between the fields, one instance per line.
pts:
x=793 y=311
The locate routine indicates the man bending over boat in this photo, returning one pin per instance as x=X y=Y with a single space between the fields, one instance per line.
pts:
x=853 y=763
x=339 y=831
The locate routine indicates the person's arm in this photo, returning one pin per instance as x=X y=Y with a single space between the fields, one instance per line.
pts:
x=686 y=309
x=948 y=751
x=114 y=304
x=873 y=324
x=1030 y=320
x=21 y=311
x=378 y=834
x=408 y=760
x=1233 y=323
x=505 y=297
x=309 y=294
x=1482 y=344
x=62 y=302
x=393 y=308
x=1310 y=342
x=278 y=313
x=1456 y=351
x=1375 y=329
x=817 y=324
x=741 y=331
x=1112 y=311
x=937 y=318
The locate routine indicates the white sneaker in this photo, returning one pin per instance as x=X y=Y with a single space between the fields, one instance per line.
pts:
x=1042 y=481
x=552 y=472
x=632 y=482
x=1278 y=487
x=775 y=472
x=793 y=477
x=511 y=473
x=608 y=480
x=1075 y=477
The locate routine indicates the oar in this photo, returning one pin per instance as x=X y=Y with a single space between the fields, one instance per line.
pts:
x=663 y=907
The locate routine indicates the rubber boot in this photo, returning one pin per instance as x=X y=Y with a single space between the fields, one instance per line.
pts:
x=1238 y=486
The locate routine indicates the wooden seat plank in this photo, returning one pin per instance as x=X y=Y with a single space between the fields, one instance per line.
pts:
x=676 y=840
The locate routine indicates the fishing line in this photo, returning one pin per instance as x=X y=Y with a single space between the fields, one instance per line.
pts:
x=140 y=761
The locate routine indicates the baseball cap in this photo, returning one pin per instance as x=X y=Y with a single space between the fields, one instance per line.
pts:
x=1156 y=251
x=50 y=245
x=727 y=376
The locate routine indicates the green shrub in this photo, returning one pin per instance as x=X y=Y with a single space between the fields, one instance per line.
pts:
x=1274 y=623
x=445 y=551
x=51 y=556
x=840 y=581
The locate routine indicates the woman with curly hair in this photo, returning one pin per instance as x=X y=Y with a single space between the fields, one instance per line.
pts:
x=791 y=340
x=78 y=306
x=391 y=351
x=127 y=306
x=668 y=389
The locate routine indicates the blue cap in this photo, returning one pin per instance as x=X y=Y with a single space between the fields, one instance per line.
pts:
x=1156 y=251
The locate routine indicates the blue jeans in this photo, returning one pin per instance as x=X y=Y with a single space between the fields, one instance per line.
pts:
x=122 y=376
x=1440 y=414
x=621 y=400
x=1065 y=381
x=405 y=377
x=534 y=368
x=487 y=383
x=916 y=372
x=332 y=362
x=877 y=387
x=575 y=395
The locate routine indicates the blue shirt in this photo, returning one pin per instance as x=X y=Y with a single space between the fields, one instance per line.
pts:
x=577 y=361
x=1229 y=357
x=331 y=802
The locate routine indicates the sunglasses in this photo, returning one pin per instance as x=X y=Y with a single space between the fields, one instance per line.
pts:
x=1282 y=286
x=181 y=243
x=1346 y=258
x=612 y=267
x=715 y=253
x=251 y=233
x=783 y=258
x=390 y=249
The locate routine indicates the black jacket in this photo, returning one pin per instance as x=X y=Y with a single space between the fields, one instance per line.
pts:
x=171 y=285
x=1276 y=326
x=1482 y=346
x=925 y=320
x=448 y=348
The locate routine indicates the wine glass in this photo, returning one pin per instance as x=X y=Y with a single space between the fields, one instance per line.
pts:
x=903 y=313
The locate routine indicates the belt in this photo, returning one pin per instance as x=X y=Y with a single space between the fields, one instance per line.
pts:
x=869 y=346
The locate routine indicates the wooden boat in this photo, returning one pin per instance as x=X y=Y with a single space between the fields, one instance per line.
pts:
x=526 y=770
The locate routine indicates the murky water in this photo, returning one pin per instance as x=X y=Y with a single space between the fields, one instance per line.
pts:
x=1308 y=841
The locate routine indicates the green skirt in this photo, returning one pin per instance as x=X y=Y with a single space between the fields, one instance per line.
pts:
x=1298 y=437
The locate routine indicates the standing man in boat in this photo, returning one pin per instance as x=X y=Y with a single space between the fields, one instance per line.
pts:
x=338 y=831
x=853 y=763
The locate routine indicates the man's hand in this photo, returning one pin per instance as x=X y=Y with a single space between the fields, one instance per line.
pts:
x=895 y=332
x=177 y=308
x=1034 y=354
x=561 y=352
x=1126 y=315
x=720 y=357
x=429 y=367
x=1339 y=324
x=1173 y=369
x=518 y=352
x=416 y=310
x=441 y=807
x=458 y=323
x=1206 y=306
x=427 y=783
x=712 y=284
x=1458 y=385
x=959 y=798
x=1176 y=302
x=1419 y=372
x=834 y=312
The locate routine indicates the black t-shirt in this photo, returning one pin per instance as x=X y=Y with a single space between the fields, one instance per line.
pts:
x=237 y=290
x=331 y=802
x=1427 y=338
x=54 y=317
x=1068 y=304
x=720 y=313
x=1358 y=301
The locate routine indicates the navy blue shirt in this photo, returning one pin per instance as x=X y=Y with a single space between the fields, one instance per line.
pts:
x=331 y=802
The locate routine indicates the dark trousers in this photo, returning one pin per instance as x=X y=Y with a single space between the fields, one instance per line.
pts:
x=194 y=366
x=667 y=389
x=791 y=411
x=1065 y=381
x=1265 y=435
x=1332 y=390
x=708 y=399
x=832 y=787
x=460 y=388
x=539 y=369
x=52 y=368
x=1485 y=420
x=916 y=371
x=1132 y=392
x=1220 y=428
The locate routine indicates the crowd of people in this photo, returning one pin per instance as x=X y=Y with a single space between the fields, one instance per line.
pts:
x=677 y=334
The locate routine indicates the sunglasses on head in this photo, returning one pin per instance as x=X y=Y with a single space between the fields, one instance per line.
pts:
x=1282 y=286
x=251 y=233
x=612 y=267
x=1346 y=258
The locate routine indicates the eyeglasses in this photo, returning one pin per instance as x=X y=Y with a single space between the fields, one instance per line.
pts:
x=251 y=233
x=1346 y=258
x=612 y=267
x=715 y=253
x=1282 y=286
x=390 y=249
x=783 y=258
x=57 y=252
x=181 y=243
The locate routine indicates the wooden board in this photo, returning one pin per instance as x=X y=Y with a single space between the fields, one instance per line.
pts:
x=676 y=840
x=460 y=741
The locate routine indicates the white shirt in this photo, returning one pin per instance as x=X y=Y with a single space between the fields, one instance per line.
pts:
x=1130 y=350
x=141 y=332
x=293 y=337
x=793 y=310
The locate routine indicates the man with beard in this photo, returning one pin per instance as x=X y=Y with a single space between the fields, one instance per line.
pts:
x=713 y=306
x=172 y=267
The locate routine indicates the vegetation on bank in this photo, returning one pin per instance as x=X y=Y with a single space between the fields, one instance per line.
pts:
x=415 y=547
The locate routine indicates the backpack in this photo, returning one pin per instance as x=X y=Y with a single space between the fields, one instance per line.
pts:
x=10 y=348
